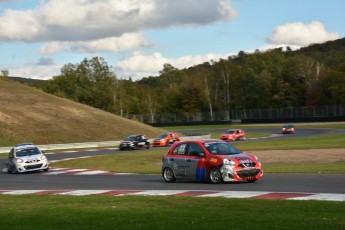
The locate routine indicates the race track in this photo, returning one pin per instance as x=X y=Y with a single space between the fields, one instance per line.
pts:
x=79 y=180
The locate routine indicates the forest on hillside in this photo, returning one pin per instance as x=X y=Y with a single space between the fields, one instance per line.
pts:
x=277 y=78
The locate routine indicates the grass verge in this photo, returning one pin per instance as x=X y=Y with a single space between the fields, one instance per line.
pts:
x=315 y=142
x=134 y=212
x=333 y=167
x=244 y=126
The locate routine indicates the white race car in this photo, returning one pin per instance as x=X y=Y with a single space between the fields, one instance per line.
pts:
x=26 y=158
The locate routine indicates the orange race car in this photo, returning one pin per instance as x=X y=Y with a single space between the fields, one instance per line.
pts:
x=233 y=135
x=166 y=139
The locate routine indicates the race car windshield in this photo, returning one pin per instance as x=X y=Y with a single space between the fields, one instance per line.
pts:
x=130 y=138
x=220 y=148
x=164 y=135
x=27 y=152
x=230 y=131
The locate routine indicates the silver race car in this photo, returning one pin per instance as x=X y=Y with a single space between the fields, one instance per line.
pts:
x=26 y=158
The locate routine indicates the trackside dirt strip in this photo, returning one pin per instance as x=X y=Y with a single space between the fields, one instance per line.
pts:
x=185 y=193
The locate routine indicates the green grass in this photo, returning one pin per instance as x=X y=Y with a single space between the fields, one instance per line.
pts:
x=134 y=212
x=333 y=167
x=315 y=142
x=244 y=126
x=6 y=142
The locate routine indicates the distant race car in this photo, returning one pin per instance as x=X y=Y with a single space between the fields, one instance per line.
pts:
x=215 y=161
x=233 y=135
x=26 y=158
x=133 y=142
x=166 y=139
x=288 y=128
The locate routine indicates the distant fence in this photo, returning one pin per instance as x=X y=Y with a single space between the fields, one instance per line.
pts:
x=288 y=114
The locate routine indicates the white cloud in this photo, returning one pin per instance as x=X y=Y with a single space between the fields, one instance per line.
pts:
x=83 y=20
x=89 y=26
x=39 y=70
x=140 y=64
x=54 y=47
x=298 y=34
x=128 y=41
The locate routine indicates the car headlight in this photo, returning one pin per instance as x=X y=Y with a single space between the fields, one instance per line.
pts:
x=43 y=158
x=19 y=160
x=256 y=158
x=228 y=162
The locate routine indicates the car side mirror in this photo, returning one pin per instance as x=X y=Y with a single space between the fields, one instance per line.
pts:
x=202 y=155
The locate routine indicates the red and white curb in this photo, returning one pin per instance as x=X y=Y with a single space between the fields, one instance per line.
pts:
x=186 y=193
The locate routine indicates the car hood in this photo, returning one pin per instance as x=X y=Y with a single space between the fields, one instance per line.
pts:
x=38 y=156
x=241 y=158
x=227 y=135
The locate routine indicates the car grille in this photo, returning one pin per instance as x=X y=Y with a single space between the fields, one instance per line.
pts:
x=32 y=161
x=248 y=173
x=36 y=166
x=245 y=165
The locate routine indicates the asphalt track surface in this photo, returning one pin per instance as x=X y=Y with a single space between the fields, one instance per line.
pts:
x=302 y=183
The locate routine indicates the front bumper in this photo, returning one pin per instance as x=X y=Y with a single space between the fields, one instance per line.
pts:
x=227 y=139
x=25 y=167
x=158 y=144
x=232 y=173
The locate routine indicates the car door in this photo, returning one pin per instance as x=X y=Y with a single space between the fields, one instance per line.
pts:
x=177 y=159
x=193 y=162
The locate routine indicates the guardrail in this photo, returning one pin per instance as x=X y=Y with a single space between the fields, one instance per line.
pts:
x=93 y=144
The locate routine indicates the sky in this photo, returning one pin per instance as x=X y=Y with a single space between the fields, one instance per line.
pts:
x=137 y=37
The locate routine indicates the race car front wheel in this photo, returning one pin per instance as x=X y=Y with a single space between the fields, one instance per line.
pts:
x=168 y=175
x=215 y=176
x=12 y=170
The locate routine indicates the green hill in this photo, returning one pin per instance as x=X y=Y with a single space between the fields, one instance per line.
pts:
x=30 y=115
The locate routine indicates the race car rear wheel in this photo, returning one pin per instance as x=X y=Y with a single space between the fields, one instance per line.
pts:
x=215 y=176
x=168 y=175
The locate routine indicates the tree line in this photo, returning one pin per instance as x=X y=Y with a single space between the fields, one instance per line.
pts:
x=314 y=75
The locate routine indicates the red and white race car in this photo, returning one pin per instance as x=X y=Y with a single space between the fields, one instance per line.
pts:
x=288 y=128
x=233 y=135
x=215 y=161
